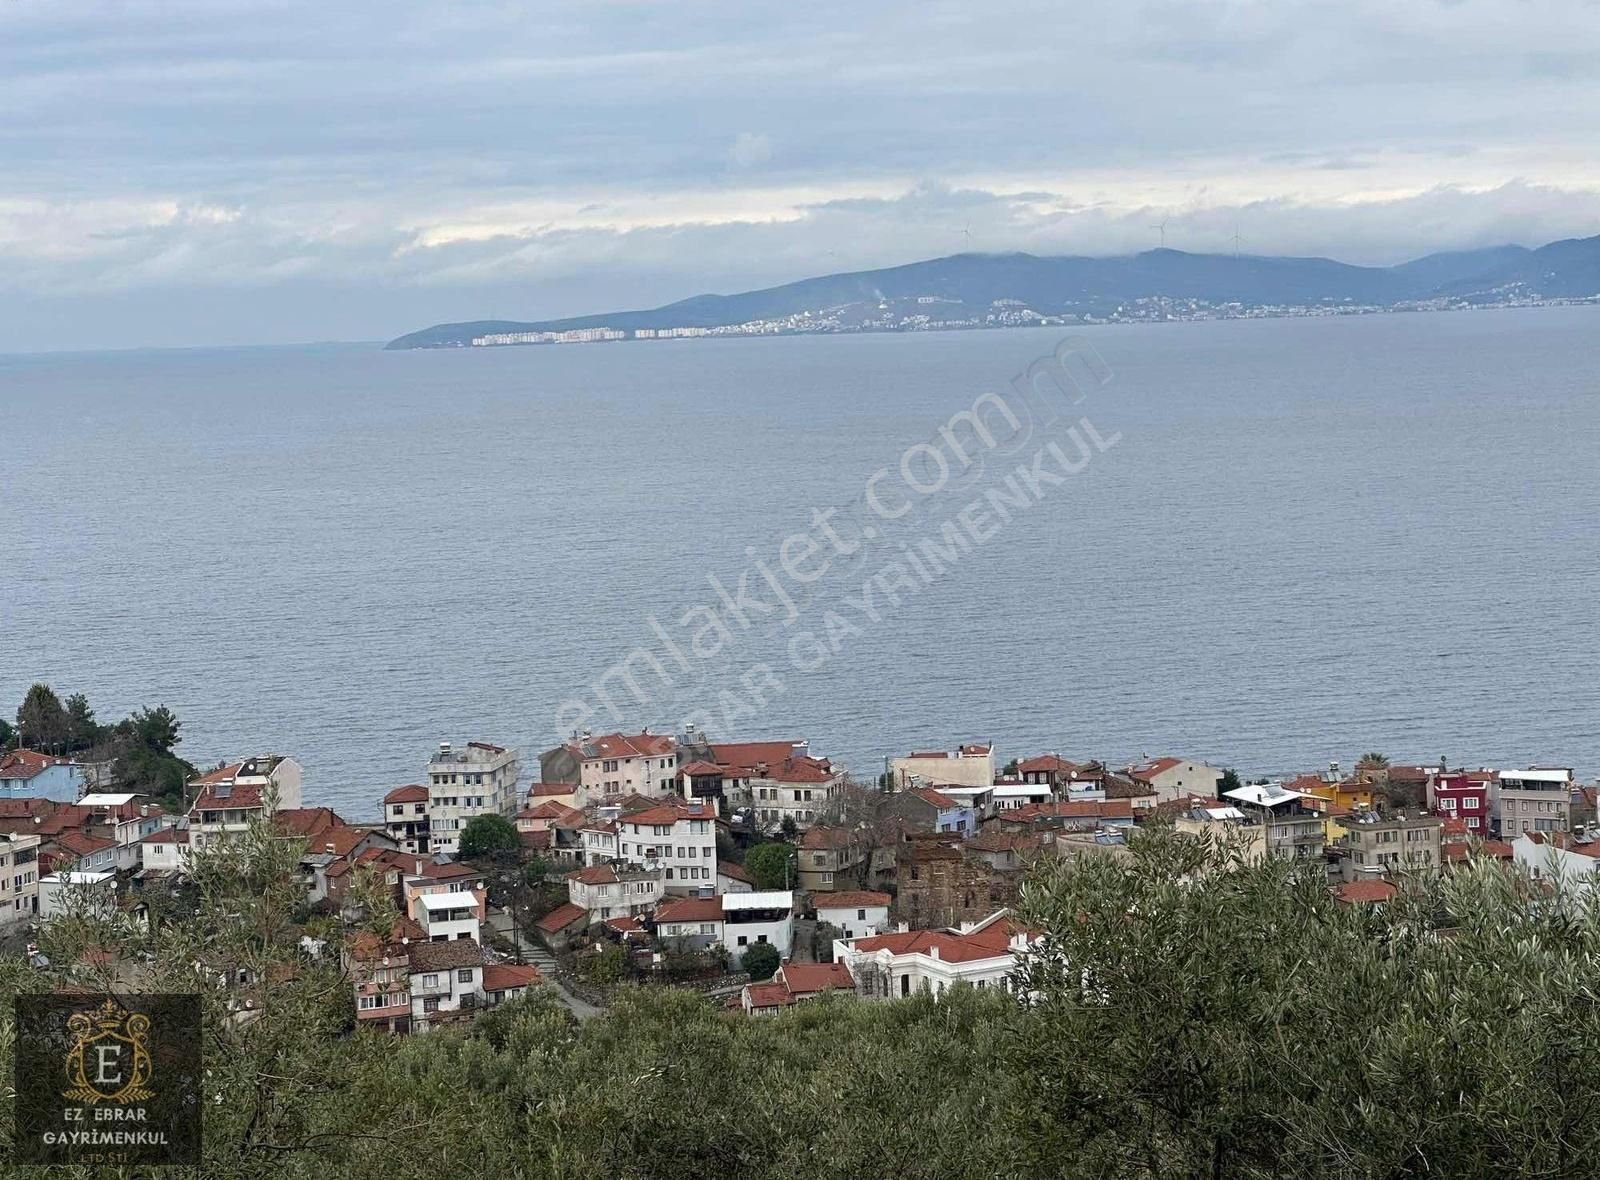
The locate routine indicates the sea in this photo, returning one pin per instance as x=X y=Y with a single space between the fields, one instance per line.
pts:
x=1269 y=544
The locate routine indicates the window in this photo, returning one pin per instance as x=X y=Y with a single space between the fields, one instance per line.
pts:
x=744 y=940
x=430 y=1004
x=369 y=1001
x=430 y=981
x=861 y=915
x=464 y=975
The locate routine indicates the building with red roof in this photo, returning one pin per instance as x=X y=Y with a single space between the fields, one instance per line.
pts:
x=28 y=774
x=899 y=964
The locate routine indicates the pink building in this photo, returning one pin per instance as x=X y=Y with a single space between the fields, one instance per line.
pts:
x=1463 y=795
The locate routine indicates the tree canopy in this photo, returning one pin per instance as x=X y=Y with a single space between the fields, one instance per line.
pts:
x=761 y=960
x=488 y=835
x=1183 y=1014
x=771 y=865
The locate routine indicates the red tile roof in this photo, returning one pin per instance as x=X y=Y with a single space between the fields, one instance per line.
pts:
x=768 y=995
x=624 y=745
x=701 y=768
x=989 y=943
x=237 y=799
x=1149 y=771
x=561 y=917
x=21 y=765
x=727 y=868
x=168 y=835
x=1364 y=892
x=223 y=774
x=861 y=899
x=541 y=790
x=825 y=837
x=669 y=813
x=936 y=798
x=808 y=979
x=306 y=821
x=412 y=793
x=81 y=843
x=551 y=809
x=1050 y=763
x=690 y=909
x=501 y=977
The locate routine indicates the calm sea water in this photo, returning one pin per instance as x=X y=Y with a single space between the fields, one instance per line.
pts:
x=1312 y=538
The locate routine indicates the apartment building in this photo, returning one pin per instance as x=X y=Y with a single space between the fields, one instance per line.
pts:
x=19 y=879
x=1538 y=799
x=466 y=782
x=1378 y=846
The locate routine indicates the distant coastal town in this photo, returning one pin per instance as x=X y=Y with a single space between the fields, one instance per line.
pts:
x=926 y=316
x=756 y=872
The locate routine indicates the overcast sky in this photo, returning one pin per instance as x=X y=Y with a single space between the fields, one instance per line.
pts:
x=219 y=171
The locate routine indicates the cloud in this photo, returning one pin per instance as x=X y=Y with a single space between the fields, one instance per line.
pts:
x=750 y=149
x=423 y=160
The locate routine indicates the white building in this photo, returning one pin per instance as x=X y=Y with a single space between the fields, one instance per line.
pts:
x=970 y=766
x=1556 y=857
x=854 y=915
x=164 y=851
x=448 y=916
x=892 y=965
x=1177 y=778
x=758 y=916
x=678 y=839
x=477 y=779
x=60 y=893
x=1010 y=795
x=446 y=981
x=777 y=781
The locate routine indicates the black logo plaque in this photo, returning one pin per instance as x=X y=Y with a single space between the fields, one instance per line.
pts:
x=108 y=1079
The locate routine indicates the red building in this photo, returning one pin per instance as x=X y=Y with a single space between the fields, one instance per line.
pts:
x=1463 y=795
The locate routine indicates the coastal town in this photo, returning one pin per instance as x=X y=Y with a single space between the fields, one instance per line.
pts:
x=757 y=872
x=933 y=313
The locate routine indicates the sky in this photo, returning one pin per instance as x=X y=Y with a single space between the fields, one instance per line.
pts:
x=206 y=172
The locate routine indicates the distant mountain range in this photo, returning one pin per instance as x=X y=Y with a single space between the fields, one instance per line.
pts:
x=983 y=290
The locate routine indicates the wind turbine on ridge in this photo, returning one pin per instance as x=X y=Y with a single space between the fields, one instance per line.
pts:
x=1161 y=228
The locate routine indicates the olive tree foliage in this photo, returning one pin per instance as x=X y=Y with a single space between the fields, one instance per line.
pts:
x=1192 y=1014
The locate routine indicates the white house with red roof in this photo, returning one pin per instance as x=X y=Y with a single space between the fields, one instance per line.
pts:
x=609 y=891
x=677 y=839
x=970 y=765
x=856 y=913
x=1176 y=778
x=899 y=964
x=230 y=797
x=695 y=921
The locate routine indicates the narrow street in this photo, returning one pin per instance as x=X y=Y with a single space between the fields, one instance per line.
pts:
x=536 y=955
